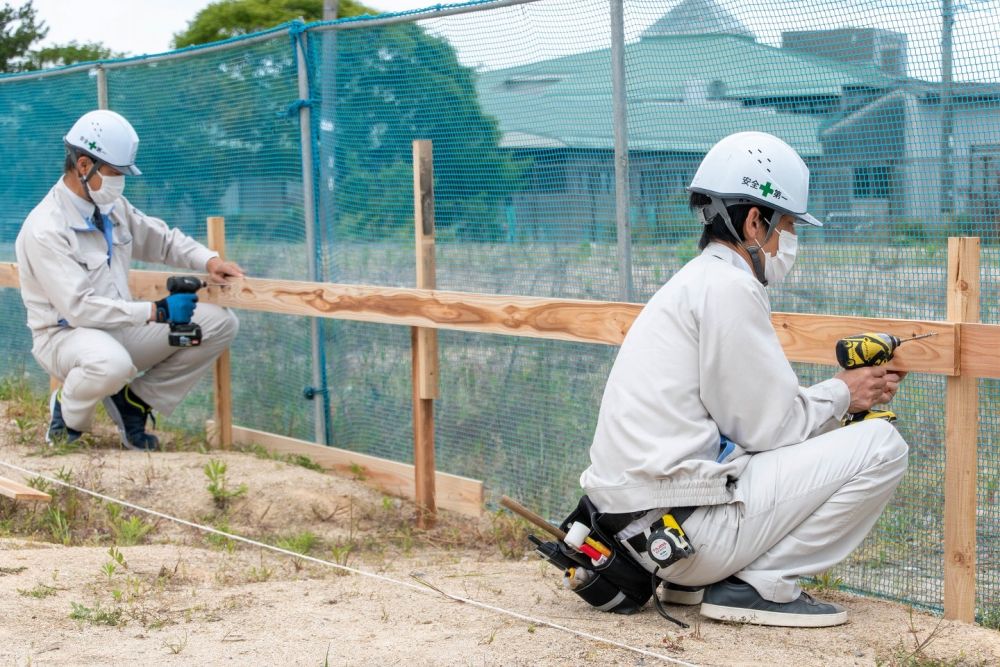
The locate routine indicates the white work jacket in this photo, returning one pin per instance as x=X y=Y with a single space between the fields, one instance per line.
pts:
x=72 y=276
x=701 y=360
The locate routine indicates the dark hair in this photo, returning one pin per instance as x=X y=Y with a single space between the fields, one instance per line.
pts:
x=717 y=231
x=72 y=155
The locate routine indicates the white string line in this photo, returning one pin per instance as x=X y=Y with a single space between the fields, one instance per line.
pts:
x=372 y=575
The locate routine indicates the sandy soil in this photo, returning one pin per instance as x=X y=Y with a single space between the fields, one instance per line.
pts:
x=182 y=599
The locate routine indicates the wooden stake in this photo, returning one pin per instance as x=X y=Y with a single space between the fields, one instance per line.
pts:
x=223 y=435
x=961 y=433
x=424 y=341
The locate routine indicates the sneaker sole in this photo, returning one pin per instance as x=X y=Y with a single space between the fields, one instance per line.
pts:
x=781 y=619
x=116 y=417
x=672 y=596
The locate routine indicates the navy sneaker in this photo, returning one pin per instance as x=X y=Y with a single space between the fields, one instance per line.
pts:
x=677 y=594
x=58 y=431
x=129 y=413
x=738 y=602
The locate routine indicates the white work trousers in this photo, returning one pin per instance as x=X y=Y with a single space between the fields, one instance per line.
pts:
x=95 y=363
x=797 y=511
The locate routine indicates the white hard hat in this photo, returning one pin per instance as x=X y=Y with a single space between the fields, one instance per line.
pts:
x=106 y=137
x=756 y=167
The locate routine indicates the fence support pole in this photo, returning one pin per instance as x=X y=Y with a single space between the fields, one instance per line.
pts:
x=321 y=409
x=102 y=88
x=424 y=340
x=961 y=433
x=619 y=105
x=223 y=435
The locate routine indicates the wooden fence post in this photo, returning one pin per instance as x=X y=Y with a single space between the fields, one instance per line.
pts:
x=223 y=435
x=961 y=435
x=424 y=340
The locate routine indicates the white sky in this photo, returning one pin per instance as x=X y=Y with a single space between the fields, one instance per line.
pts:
x=539 y=31
x=136 y=27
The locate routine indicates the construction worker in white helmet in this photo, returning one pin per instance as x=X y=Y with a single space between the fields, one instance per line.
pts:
x=74 y=251
x=703 y=417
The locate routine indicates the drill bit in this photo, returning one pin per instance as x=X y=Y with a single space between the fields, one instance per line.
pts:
x=926 y=335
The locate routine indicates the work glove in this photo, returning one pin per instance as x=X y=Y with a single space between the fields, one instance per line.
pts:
x=176 y=308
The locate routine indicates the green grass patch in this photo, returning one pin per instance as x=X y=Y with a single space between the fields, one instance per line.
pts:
x=96 y=615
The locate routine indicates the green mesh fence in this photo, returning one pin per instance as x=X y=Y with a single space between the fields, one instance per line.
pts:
x=894 y=106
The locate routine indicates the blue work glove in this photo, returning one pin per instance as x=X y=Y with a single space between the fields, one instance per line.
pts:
x=176 y=308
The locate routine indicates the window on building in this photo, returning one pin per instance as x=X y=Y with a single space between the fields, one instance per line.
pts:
x=873 y=181
x=549 y=172
x=984 y=180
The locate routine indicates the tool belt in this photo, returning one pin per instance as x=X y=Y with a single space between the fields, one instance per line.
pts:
x=614 y=583
x=660 y=544
x=617 y=582
x=640 y=542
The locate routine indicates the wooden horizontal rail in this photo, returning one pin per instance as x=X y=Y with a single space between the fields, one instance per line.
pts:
x=455 y=493
x=811 y=338
x=21 y=492
x=535 y=317
x=8 y=275
x=980 y=350
x=805 y=338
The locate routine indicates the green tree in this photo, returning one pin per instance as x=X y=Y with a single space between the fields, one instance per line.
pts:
x=19 y=29
x=230 y=18
x=394 y=83
x=58 y=55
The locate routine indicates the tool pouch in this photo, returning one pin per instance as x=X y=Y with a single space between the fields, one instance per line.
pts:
x=617 y=583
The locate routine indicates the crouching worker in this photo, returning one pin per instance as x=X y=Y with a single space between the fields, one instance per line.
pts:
x=73 y=253
x=703 y=418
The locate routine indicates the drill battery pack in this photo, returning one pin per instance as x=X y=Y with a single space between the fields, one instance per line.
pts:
x=184 y=335
x=615 y=583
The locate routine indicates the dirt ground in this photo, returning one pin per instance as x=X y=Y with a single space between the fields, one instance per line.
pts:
x=181 y=598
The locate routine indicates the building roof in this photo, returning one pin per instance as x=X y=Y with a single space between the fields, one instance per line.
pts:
x=697 y=17
x=663 y=67
x=684 y=93
x=585 y=123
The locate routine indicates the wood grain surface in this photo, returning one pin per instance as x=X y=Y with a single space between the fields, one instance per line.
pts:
x=811 y=338
x=961 y=426
x=806 y=338
x=21 y=492
x=455 y=493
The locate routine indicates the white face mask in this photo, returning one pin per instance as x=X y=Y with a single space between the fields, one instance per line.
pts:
x=112 y=188
x=776 y=267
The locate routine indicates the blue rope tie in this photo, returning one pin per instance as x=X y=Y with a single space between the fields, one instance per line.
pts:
x=296 y=28
x=293 y=109
x=295 y=31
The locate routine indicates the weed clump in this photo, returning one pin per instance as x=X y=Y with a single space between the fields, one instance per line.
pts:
x=218 y=485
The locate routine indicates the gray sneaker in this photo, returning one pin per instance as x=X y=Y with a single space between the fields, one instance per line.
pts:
x=677 y=594
x=740 y=603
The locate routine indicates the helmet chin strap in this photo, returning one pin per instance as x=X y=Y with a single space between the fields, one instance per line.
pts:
x=95 y=165
x=758 y=266
x=717 y=207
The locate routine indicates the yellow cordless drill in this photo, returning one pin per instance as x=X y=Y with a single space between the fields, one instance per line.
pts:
x=869 y=349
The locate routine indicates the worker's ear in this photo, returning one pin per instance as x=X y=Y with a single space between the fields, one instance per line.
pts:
x=753 y=225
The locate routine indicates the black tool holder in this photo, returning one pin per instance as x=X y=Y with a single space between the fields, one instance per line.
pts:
x=618 y=584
